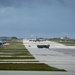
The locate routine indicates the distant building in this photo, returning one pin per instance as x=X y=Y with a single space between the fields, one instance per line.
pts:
x=66 y=37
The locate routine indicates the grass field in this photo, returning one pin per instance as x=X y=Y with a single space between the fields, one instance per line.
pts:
x=65 y=42
x=28 y=67
x=68 y=43
x=16 y=50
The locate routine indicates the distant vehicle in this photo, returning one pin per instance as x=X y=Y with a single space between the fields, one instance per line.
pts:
x=43 y=46
x=1 y=44
x=40 y=46
x=37 y=40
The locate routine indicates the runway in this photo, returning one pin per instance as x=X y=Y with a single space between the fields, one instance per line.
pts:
x=58 y=55
x=54 y=58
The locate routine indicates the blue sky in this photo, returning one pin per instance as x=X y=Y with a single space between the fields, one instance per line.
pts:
x=44 y=18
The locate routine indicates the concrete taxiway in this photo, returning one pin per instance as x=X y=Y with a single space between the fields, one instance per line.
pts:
x=58 y=55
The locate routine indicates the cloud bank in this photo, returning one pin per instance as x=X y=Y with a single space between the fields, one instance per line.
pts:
x=38 y=17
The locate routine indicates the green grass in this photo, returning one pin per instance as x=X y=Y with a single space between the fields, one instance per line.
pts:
x=15 y=49
x=15 y=46
x=10 y=61
x=28 y=67
x=2 y=58
x=68 y=43
x=65 y=42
